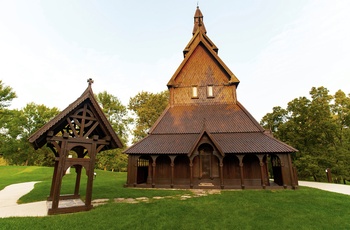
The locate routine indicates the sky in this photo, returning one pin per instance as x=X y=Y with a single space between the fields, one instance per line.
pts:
x=278 y=49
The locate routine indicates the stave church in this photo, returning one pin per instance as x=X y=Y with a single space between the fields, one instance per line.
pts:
x=205 y=138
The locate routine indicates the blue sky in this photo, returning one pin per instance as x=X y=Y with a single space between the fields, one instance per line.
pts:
x=278 y=49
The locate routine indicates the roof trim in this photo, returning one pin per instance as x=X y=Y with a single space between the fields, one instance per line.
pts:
x=255 y=122
x=200 y=38
x=38 y=138
x=211 y=138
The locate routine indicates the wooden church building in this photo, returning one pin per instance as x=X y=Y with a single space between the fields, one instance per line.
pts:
x=205 y=138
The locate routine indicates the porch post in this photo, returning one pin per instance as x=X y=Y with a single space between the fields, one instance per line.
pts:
x=154 y=158
x=262 y=174
x=241 y=171
x=267 y=171
x=135 y=165
x=221 y=174
x=292 y=177
x=191 y=173
x=172 y=158
x=283 y=175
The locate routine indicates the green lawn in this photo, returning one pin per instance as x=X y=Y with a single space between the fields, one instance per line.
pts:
x=304 y=208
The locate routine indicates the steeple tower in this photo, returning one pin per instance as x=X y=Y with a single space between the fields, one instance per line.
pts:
x=198 y=22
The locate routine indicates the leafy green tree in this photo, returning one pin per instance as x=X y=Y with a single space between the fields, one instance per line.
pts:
x=117 y=115
x=18 y=126
x=147 y=107
x=6 y=95
x=341 y=114
x=316 y=128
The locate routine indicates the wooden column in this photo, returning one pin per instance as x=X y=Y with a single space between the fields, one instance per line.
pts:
x=283 y=175
x=221 y=174
x=191 y=173
x=53 y=179
x=135 y=165
x=172 y=158
x=78 y=169
x=292 y=177
x=262 y=174
x=267 y=171
x=59 y=175
x=242 y=175
x=90 y=173
x=154 y=158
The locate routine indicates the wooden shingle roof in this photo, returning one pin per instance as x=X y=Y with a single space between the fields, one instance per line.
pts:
x=200 y=38
x=230 y=125
x=104 y=129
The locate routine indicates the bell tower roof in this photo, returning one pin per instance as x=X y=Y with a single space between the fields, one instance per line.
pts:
x=198 y=22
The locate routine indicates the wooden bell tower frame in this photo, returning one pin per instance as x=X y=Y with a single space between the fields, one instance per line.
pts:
x=82 y=131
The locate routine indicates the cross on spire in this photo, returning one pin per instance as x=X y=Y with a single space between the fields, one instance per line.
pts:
x=90 y=81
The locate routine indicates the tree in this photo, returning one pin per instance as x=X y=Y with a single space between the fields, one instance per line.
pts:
x=117 y=115
x=18 y=125
x=147 y=107
x=316 y=128
x=6 y=95
x=275 y=122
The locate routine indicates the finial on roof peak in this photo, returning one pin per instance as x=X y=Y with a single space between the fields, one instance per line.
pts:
x=90 y=81
x=198 y=21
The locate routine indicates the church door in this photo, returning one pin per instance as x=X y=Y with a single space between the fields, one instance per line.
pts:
x=206 y=161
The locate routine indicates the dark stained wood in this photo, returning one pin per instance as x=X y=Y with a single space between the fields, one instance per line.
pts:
x=208 y=140
x=82 y=131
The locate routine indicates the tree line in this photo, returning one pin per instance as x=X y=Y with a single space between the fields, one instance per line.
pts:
x=318 y=126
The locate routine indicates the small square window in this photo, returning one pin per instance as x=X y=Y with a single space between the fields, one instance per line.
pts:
x=210 y=91
x=194 y=92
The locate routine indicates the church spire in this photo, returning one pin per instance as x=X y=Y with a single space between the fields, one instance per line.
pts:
x=198 y=22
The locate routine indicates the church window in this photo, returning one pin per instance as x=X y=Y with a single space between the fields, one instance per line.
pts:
x=194 y=91
x=210 y=91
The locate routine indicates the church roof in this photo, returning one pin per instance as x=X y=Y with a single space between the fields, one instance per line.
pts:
x=103 y=129
x=230 y=126
x=237 y=143
x=218 y=118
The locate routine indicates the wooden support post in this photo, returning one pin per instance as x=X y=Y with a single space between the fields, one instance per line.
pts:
x=262 y=174
x=242 y=174
x=191 y=173
x=135 y=165
x=92 y=153
x=283 y=175
x=77 y=179
x=59 y=176
x=172 y=158
x=221 y=174
x=292 y=177
x=53 y=179
x=154 y=174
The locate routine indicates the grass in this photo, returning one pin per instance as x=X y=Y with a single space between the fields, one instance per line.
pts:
x=304 y=208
